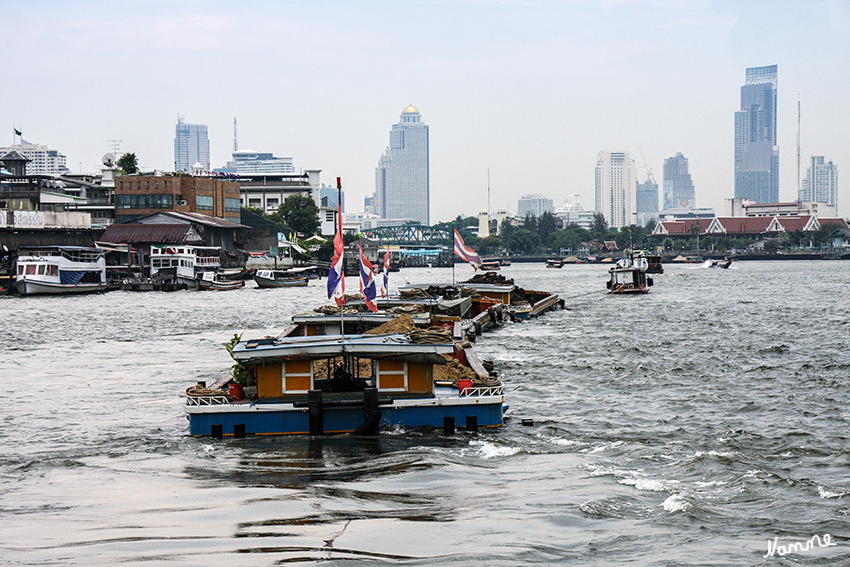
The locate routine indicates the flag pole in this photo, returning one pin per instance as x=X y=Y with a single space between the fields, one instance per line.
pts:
x=453 y=253
x=339 y=228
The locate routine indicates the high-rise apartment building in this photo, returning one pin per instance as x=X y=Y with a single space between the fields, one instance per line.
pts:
x=678 y=187
x=616 y=188
x=756 y=152
x=43 y=161
x=821 y=183
x=191 y=146
x=402 y=178
x=534 y=205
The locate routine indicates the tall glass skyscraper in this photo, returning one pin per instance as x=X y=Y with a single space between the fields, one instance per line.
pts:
x=191 y=146
x=678 y=187
x=402 y=178
x=756 y=152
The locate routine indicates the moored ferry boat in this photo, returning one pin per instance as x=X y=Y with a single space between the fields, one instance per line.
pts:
x=348 y=384
x=280 y=278
x=190 y=261
x=60 y=270
x=629 y=275
x=214 y=281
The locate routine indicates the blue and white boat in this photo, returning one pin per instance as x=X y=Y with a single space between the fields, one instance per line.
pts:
x=325 y=384
x=60 y=270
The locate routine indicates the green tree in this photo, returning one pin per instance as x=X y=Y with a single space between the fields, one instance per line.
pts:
x=300 y=213
x=821 y=236
x=490 y=246
x=546 y=226
x=128 y=163
x=599 y=226
x=506 y=228
x=523 y=241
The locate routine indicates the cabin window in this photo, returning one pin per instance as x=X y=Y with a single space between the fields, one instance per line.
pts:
x=41 y=269
x=30 y=269
x=297 y=376
x=20 y=269
x=53 y=270
x=392 y=375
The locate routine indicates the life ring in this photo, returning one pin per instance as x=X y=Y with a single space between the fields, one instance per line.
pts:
x=493 y=316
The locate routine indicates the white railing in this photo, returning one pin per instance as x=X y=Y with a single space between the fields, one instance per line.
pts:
x=206 y=400
x=479 y=391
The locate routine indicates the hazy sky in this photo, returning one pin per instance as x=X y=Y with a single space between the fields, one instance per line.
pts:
x=531 y=90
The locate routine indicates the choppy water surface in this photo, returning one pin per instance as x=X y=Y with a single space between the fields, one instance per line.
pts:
x=685 y=427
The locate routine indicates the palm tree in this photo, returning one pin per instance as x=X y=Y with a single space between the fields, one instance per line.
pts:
x=695 y=229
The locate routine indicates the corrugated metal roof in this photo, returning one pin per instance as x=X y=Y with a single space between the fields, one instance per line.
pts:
x=136 y=233
x=191 y=217
x=23 y=239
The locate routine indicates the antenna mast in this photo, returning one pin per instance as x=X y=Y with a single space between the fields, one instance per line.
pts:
x=488 y=196
x=235 y=141
x=798 y=148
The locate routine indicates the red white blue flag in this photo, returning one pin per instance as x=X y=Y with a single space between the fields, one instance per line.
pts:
x=386 y=289
x=336 y=275
x=466 y=252
x=367 y=282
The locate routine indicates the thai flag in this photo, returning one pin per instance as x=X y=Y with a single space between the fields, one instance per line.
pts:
x=466 y=252
x=336 y=275
x=299 y=235
x=367 y=282
x=386 y=289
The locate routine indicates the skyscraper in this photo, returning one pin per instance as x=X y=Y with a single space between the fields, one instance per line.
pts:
x=616 y=188
x=646 y=201
x=821 y=183
x=402 y=178
x=678 y=187
x=756 y=152
x=191 y=146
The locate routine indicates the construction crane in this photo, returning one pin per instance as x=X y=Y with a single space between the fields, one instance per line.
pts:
x=649 y=175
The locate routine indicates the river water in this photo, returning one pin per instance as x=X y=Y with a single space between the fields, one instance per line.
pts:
x=689 y=426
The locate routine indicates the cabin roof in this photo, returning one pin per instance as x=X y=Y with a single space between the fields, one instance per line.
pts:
x=326 y=346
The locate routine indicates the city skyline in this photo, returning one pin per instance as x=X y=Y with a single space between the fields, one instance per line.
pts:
x=530 y=90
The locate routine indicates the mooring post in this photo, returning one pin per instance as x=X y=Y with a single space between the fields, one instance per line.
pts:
x=448 y=425
x=314 y=403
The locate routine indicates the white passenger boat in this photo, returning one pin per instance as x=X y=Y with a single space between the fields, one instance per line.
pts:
x=190 y=261
x=60 y=269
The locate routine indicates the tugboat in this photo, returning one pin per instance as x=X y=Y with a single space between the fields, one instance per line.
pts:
x=629 y=275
